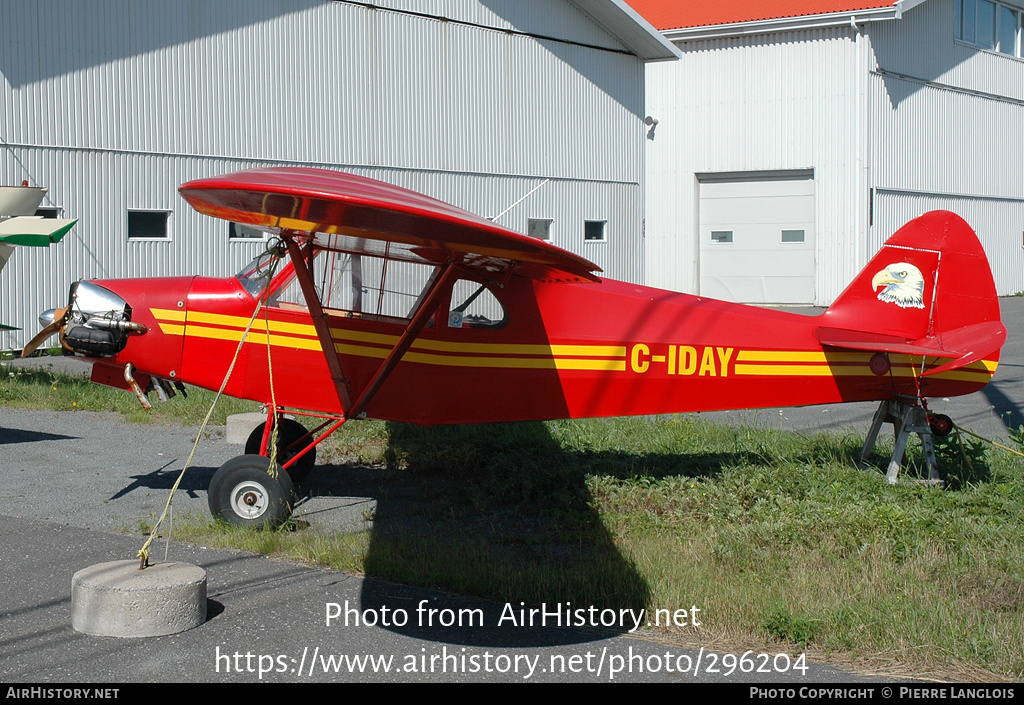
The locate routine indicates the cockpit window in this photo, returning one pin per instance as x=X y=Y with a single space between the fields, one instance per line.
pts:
x=474 y=305
x=254 y=275
x=360 y=285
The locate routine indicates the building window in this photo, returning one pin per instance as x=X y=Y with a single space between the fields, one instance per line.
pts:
x=47 y=212
x=721 y=236
x=148 y=225
x=594 y=230
x=793 y=236
x=989 y=25
x=237 y=231
x=539 y=228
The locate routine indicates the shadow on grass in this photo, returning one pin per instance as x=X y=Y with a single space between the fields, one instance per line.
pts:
x=504 y=513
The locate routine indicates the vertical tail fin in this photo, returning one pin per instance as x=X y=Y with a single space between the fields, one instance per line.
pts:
x=929 y=291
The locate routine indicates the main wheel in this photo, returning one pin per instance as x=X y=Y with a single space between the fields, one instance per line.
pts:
x=243 y=493
x=289 y=432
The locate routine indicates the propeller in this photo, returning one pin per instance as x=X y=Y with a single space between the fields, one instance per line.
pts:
x=60 y=317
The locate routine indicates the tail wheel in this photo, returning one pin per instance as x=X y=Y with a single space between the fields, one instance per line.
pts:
x=289 y=435
x=940 y=424
x=243 y=493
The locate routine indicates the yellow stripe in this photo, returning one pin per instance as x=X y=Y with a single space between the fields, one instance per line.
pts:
x=391 y=340
x=564 y=359
x=966 y=373
x=168 y=314
x=959 y=374
x=800 y=370
x=797 y=356
x=241 y=322
x=895 y=359
x=360 y=336
x=255 y=337
x=172 y=329
x=483 y=348
x=502 y=362
x=522 y=349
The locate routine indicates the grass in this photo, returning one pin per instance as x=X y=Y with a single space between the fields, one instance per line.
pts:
x=778 y=539
x=37 y=388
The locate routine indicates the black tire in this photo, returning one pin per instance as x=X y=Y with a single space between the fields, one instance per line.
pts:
x=243 y=493
x=288 y=432
x=940 y=424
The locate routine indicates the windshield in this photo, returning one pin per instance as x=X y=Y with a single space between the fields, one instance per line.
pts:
x=255 y=275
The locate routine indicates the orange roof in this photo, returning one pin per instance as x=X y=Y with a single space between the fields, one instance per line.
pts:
x=677 y=14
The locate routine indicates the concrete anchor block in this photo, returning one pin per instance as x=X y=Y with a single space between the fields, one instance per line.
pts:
x=118 y=599
x=241 y=425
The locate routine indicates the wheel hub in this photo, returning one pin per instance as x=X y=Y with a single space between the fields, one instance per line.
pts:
x=249 y=500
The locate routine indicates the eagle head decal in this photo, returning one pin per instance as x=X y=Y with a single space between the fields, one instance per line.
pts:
x=904 y=285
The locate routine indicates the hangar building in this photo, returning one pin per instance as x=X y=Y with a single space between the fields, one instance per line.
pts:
x=794 y=136
x=112 y=104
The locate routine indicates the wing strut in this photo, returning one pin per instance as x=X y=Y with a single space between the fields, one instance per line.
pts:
x=426 y=309
x=320 y=321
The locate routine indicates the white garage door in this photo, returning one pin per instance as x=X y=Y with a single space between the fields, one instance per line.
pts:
x=757 y=238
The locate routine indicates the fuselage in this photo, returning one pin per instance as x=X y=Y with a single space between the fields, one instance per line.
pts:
x=562 y=350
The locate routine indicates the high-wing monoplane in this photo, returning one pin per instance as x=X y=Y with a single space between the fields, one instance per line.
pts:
x=379 y=302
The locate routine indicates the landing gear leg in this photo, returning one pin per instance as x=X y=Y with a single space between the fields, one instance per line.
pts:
x=291 y=439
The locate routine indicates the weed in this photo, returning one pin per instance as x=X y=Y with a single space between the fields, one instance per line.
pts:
x=962 y=460
x=782 y=624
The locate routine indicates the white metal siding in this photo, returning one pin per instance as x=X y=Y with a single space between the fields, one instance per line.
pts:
x=541 y=17
x=323 y=82
x=998 y=222
x=948 y=133
x=786 y=101
x=112 y=104
x=922 y=45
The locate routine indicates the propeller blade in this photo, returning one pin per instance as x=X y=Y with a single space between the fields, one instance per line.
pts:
x=59 y=318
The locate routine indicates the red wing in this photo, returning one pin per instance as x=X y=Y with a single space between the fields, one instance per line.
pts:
x=352 y=213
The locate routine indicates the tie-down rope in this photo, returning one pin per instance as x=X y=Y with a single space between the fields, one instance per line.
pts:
x=275 y=249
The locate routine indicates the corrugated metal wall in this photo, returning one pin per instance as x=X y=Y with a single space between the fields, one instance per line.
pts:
x=113 y=104
x=999 y=223
x=948 y=133
x=922 y=45
x=894 y=118
x=785 y=101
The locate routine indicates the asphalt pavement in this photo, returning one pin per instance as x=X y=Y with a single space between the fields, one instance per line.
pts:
x=77 y=489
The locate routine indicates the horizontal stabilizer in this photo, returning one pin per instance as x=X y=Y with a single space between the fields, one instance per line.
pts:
x=34 y=231
x=963 y=346
x=877 y=342
x=971 y=343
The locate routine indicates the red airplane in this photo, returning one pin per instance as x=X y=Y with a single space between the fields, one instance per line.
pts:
x=379 y=302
